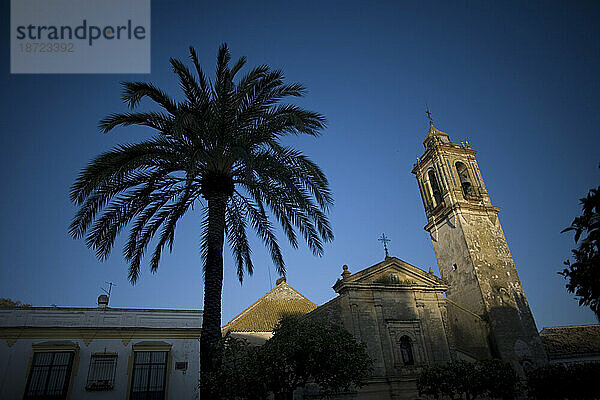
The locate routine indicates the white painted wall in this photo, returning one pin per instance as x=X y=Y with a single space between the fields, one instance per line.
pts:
x=100 y=317
x=15 y=357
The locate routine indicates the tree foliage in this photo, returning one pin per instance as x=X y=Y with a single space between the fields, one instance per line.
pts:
x=303 y=351
x=462 y=379
x=240 y=374
x=559 y=382
x=583 y=274
x=218 y=149
x=300 y=352
x=5 y=302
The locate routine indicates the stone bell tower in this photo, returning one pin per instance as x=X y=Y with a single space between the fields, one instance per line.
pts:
x=471 y=250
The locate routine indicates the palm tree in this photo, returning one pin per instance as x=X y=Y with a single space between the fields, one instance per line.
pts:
x=219 y=148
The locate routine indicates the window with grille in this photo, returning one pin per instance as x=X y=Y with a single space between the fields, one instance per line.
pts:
x=149 y=374
x=49 y=376
x=101 y=375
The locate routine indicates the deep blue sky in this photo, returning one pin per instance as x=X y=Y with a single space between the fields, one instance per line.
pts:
x=518 y=80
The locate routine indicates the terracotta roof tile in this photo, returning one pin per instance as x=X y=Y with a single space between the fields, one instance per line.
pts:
x=265 y=313
x=569 y=340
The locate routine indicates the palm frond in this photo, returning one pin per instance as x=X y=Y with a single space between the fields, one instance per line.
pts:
x=201 y=77
x=237 y=66
x=168 y=231
x=188 y=83
x=235 y=225
x=263 y=227
x=114 y=166
x=102 y=194
x=159 y=121
x=134 y=92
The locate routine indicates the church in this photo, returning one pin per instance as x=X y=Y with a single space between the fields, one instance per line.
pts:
x=409 y=318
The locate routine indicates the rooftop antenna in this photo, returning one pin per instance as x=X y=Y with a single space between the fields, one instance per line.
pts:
x=110 y=285
x=428 y=113
x=385 y=241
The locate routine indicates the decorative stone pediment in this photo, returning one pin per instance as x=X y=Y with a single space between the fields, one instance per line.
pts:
x=391 y=273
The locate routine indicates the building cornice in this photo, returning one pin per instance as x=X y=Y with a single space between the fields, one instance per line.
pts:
x=442 y=214
x=106 y=309
x=438 y=149
x=12 y=334
x=342 y=287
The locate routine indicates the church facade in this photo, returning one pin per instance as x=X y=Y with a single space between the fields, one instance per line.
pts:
x=399 y=311
x=409 y=318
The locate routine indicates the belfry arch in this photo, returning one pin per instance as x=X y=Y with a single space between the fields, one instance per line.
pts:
x=465 y=179
x=435 y=188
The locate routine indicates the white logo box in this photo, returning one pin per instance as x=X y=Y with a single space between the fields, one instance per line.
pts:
x=80 y=36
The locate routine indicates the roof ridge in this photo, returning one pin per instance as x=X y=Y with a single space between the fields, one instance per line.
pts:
x=262 y=298
x=301 y=295
x=570 y=326
x=248 y=308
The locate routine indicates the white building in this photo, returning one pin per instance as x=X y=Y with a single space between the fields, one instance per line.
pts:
x=99 y=353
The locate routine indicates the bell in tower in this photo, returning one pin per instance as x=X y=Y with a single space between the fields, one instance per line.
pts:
x=471 y=249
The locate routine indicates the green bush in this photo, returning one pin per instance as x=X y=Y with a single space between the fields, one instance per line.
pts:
x=559 y=382
x=490 y=378
x=497 y=380
x=300 y=352
x=239 y=375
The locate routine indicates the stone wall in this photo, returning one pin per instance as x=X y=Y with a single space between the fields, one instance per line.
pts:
x=469 y=334
x=474 y=258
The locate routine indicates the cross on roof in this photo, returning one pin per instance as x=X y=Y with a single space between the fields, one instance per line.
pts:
x=385 y=241
x=428 y=113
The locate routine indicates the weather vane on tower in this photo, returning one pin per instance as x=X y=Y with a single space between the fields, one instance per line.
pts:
x=385 y=241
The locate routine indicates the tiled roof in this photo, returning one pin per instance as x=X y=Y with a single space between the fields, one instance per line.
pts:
x=570 y=340
x=264 y=314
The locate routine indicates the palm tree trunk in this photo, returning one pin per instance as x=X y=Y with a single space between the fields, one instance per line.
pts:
x=213 y=284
